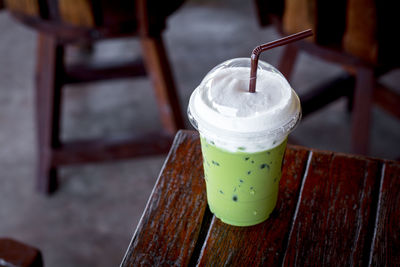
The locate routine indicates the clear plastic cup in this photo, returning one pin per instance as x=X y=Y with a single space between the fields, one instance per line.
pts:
x=243 y=138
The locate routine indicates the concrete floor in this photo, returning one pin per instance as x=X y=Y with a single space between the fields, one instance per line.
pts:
x=90 y=220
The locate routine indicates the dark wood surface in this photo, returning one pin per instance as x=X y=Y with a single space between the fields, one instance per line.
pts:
x=183 y=201
x=386 y=239
x=333 y=209
x=14 y=253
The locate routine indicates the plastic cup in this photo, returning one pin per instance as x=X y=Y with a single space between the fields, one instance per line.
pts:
x=243 y=138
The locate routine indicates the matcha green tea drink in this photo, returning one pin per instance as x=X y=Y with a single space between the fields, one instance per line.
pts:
x=242 y=187
x=243 y=138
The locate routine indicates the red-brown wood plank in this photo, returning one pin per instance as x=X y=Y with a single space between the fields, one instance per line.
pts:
x=169 y=228
x=335 y=212
x=264 y=243
x=386 y=242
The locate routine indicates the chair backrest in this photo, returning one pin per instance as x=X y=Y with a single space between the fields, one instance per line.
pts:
x=24 y=6
x=103 y=15
x=78 y=13
x=362 y=28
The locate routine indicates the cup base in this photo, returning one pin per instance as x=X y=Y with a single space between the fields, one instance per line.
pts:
x=241 y=224
x=242 y=214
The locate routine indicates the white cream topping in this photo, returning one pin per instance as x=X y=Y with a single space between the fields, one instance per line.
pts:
x=227 y=113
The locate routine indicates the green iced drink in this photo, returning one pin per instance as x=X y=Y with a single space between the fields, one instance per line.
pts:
x=243 y=138
x=242 y=188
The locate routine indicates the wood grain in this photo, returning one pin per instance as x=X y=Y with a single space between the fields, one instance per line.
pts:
x=170 y=226
x=336 y=208
x=300 y=15
x=386 y=243
x=77 y=12
x=328 y=214
x=28 y=7
x=263 y=243
x=360 y=36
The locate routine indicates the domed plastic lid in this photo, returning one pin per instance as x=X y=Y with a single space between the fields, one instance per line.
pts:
x=223 y=105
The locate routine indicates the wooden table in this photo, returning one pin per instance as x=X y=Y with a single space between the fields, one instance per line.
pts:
x=333 y=210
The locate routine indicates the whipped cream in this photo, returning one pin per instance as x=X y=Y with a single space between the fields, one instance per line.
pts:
x=226 y=113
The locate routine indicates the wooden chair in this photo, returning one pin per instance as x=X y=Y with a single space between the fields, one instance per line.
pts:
x=63 y=22
x=356 y=34
x=14 y=253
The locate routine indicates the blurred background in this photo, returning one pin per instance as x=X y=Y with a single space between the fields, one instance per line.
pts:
x=89 y=221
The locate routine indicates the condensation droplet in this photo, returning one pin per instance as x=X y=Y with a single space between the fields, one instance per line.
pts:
x=255 y=212
x=252 y=192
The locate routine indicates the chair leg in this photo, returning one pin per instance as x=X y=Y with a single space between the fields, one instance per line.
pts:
x=288 y=60
x=350 y=100
x=362 y=105
x=48 y=100
x=157 y=66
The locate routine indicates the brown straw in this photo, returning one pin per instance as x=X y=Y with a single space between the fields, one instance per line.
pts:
x=261 y=48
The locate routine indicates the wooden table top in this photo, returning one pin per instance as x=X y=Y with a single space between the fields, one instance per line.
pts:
x=333 y=209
